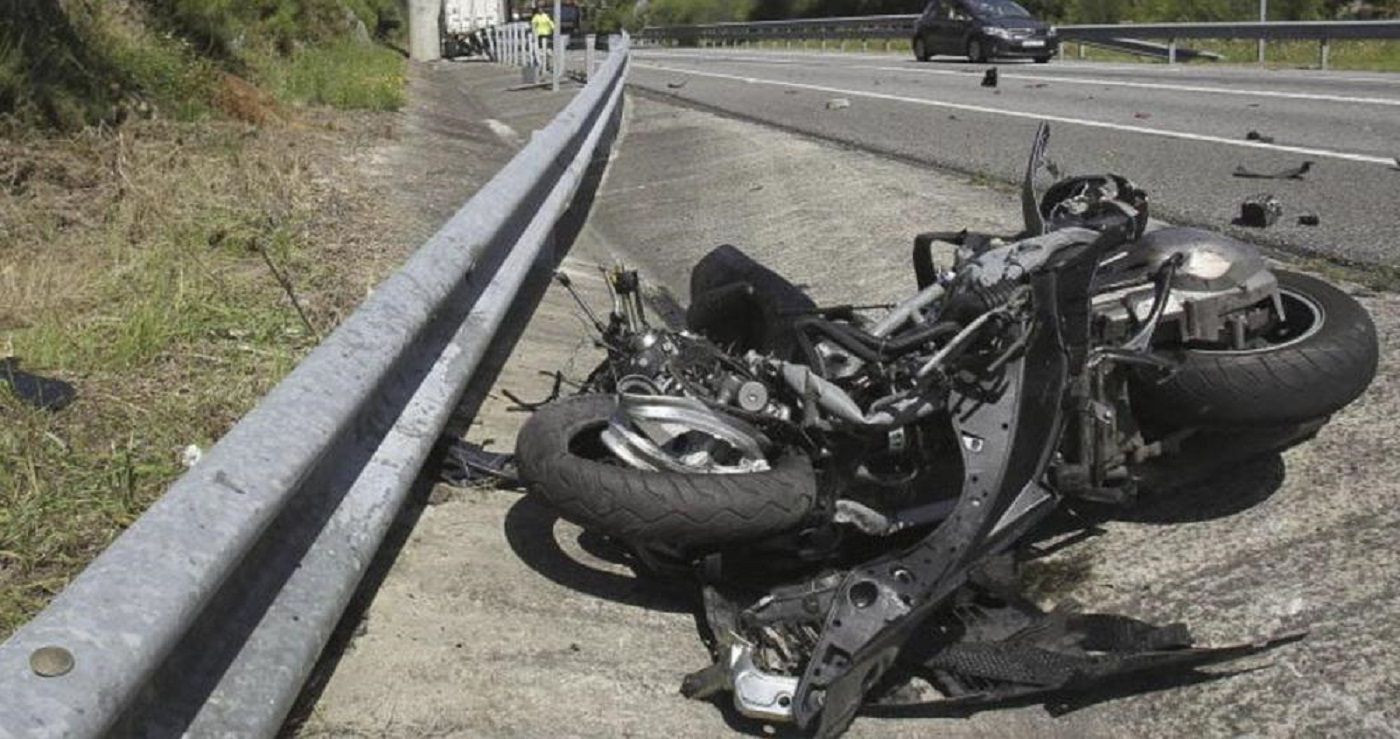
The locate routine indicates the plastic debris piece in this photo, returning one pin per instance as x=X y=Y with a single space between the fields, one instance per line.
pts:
x=44 y=393
x=191 y=455
x=1309 y=219
x=1260 y=211
x=989 y=79
x=838 y=104
x=466 y=464
x=1261 y=138
x=1142 y=116
x=677 y=85
x=1292 y=173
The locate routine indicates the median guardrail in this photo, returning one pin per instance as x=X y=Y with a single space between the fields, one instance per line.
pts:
x=206 y=616
x=886 y=27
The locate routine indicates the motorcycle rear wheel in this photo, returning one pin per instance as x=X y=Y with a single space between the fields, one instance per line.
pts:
x=562 y=458
x=1320 y=360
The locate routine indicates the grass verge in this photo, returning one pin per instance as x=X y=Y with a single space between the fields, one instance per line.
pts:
x=134 y=265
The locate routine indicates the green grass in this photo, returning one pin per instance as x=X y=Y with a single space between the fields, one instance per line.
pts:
x=162 y=69
x=342 y=74
x=130 y=266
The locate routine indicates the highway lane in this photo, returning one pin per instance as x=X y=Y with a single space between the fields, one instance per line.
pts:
x=1177 y=131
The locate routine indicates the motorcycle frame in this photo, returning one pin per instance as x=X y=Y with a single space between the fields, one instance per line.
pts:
x=1007 y=442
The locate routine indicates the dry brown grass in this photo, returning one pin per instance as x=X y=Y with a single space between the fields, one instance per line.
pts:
x=135 y=265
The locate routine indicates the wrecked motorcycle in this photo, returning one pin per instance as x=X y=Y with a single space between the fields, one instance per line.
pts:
x=851 y=490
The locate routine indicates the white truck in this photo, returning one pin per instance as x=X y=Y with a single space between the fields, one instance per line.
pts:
x=463 y=21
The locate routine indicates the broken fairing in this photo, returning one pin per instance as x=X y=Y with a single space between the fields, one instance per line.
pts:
x=853 y=490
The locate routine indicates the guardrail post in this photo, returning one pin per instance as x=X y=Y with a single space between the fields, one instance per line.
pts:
x=561 y=43
x=589 y=41
x=1081 y=49
x=887 y=46
x=864 y=45
x=1263 y=18
x=1322 y=52
x=1171 y=51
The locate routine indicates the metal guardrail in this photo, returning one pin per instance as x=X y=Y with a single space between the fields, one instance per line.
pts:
x=886 y=27
x=1150 y=49
x=515 y=44
x=206 y=616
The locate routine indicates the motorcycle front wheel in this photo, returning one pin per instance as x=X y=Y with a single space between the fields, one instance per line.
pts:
x=562 y=457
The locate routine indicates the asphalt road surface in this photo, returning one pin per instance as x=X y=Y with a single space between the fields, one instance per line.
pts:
x=1177 y=131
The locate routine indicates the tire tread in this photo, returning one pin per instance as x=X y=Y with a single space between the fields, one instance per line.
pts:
x=680 y=509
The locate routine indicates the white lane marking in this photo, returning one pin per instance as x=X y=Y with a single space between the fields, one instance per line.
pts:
x=1114 y=83
x=503 y=132
x=1068 y=66
x=1164 y=133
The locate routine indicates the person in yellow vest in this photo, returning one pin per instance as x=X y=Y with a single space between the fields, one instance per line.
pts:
x=543 y=26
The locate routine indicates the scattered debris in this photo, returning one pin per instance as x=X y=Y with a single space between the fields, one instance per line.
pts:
x=838 y=104
x=531 y=406
x=990 y=78
x=1038 y=85
x=677 y=85
x=466 y=464
x=952 y=117
x=1261 y=138
x=1309 y=219
x=1292 y=173
x=755 y=188
x=1142 y=116
x=191 y=456
x=44 y=393
x=1259 y=211
x=1053 y=169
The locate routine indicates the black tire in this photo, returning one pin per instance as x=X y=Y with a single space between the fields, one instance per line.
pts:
x=976 y=51
x=920 y=49
x=1042 y=60
x=1313 y=373
x=559 y=455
